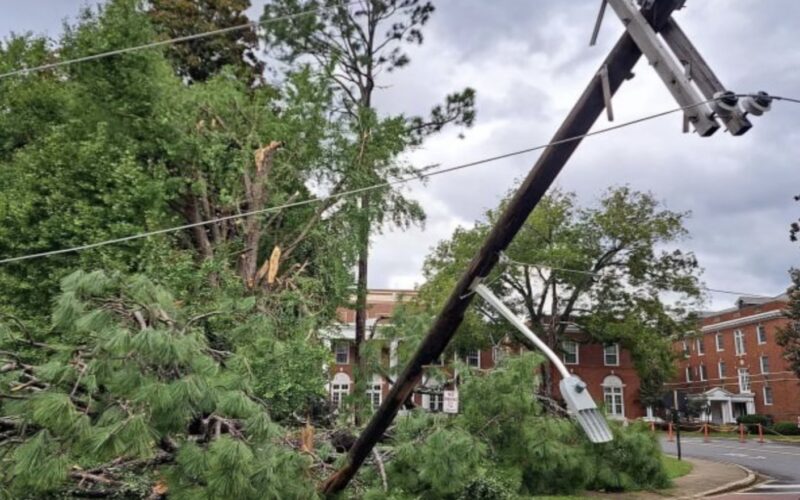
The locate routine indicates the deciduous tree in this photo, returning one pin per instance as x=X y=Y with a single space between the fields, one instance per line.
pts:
x=605 y=269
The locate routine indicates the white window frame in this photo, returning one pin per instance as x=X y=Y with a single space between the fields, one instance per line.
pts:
x=686 y=351
x=768 y=401
x=738 y=342
x=436 y=402
x=761 y=360
x=338 y=393
x=473 y=355
x=576 y=352
x=701 y=349
x=721 y=369
x=719 y=342
x=605 y=354
x=336 y=352
x=614 y=397
x=761 y=330
x=744 y=381
x=375 y=395
x=498 y=354
x=702 y=372
x=688 y=373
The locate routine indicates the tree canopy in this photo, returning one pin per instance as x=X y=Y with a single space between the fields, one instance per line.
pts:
x=606 y=269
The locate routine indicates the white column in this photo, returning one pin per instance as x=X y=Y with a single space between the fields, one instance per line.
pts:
x=393 y=353
x=727 y=412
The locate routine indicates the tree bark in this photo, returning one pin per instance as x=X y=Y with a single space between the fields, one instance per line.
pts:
x=361 y=302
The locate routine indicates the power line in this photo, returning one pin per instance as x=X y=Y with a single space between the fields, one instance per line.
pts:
x=171 y=41
x=416 y=177
x=597 y=274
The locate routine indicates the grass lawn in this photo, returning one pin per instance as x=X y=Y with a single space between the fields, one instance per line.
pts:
x=676 y=468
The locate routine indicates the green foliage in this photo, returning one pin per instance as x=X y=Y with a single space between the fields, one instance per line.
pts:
x=786 y=428
x=502 y=445
x=751 y=421
x=605 y=268
x=140 y=387
x=632 y=461
x=788 y=337
x=438 y=463
x=203 y=58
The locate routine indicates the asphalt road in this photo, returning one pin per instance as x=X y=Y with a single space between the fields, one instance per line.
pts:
x=780 y=462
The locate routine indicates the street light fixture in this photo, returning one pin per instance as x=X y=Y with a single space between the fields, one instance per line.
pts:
x=573 y=389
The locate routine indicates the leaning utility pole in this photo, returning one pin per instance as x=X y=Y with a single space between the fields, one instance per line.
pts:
x=640 y=37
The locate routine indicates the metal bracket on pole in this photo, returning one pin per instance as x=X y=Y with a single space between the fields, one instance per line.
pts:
x=705 y=79
x=598 y=22
x=700 y=115
x=606 y=91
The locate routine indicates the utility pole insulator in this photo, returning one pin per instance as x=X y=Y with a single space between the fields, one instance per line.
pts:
x=697 y=111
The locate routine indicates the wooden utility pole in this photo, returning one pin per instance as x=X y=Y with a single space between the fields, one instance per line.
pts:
x=614 y=70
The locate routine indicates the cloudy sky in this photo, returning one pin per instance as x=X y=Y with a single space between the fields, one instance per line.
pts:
x=529 y=61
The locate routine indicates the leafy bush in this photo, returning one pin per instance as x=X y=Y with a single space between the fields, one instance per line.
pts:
x=632 y=461
x=486 y=488
x=439 y=465
x=786 y=428
x=752 y=421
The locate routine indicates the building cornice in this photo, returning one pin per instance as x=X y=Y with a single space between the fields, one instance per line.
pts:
x=754 y=318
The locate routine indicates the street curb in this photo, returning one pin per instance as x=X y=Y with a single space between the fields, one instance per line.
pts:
x=734 y=485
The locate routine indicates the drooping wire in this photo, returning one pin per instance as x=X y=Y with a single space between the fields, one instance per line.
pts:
x=511 y=261
x=425 y=172
x=171 y=41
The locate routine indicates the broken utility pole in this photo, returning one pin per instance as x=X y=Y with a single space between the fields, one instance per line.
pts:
x=641 y=37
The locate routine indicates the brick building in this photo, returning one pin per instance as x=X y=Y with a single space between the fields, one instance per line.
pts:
x=736 y=365
x=607 y=370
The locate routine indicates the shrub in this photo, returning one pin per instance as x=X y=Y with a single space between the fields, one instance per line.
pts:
x=632 y=461
x=752 y=421
x=786 y=428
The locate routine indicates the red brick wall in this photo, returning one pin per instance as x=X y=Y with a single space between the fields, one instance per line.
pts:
x=592 y=370
x=785 y=385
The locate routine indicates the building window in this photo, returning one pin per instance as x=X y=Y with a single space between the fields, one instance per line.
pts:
x=374 y=395
x=473 y=359
x=688 y=373
x=571 y=353
x=498 y=354
x=340 y=388
x=767 y=395
x=342 y=350
x=612 y=395
x=764 y=364
x=721 y=368
x=685 y=349
x=436 y=402
x=738 y=342
x=720 y=342
x=611 y=355
x=703 y=373
x=744 y=380
x=761 y=334
x=701 y=350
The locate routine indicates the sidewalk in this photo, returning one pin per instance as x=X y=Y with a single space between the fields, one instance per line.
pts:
x=706 y=477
